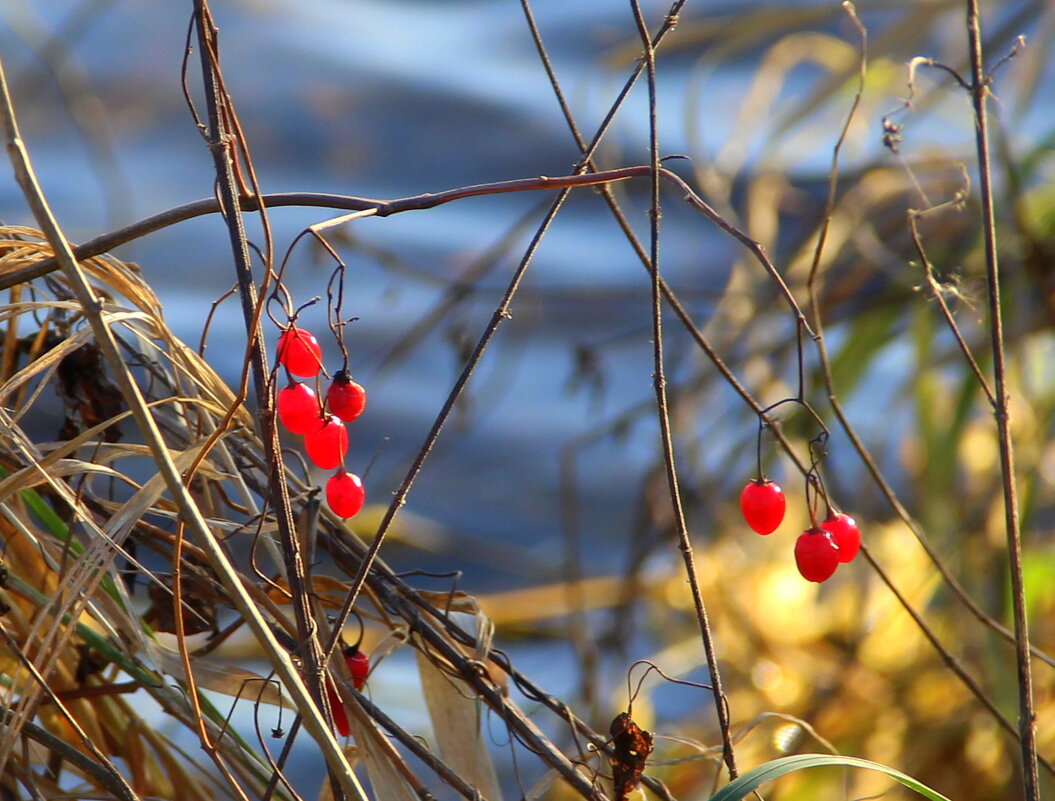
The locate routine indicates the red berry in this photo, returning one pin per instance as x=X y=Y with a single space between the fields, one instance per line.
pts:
x=298 y=408
x=345 y=494
x=345 y=398
x=847 y=536
x=299 y=352
x=340 y=717
x=326 y=442
x=816 y=554
x=358 y=665
x=762 y=504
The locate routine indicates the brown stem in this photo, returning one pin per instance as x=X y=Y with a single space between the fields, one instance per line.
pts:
x=952 y=662
x=220 y=147
x=220 y=139
x=663 y=413
x=502 y=311
x=1026 y=719
x=419 y=749
x=380 y=208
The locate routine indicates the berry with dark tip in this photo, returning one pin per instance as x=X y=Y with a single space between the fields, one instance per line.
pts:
x=358 y=665
x=345 y=397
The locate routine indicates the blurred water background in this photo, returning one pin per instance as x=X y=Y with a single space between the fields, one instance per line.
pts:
x=392 y=99
x=388 y=100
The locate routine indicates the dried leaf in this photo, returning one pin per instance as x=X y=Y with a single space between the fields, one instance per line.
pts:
x=387 y=781
x=222 y=678
x=88 y=392
x=632 y=745
x=387 y=644
x=200 y=599
x=456 y=718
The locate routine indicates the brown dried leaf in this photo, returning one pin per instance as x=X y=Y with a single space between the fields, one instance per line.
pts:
x=632 y=745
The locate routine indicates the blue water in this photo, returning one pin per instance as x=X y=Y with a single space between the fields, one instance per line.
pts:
x=388 y=100
x=392 y=99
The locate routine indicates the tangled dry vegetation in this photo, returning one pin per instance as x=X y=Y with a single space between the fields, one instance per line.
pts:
x=88 y=532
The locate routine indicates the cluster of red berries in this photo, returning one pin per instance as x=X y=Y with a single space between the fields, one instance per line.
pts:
x=820 y=548
x=325 y=437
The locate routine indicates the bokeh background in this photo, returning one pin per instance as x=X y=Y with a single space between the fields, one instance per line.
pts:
x=550 y=467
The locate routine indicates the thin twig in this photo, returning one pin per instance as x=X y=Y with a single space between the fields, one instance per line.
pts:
x=873 y=469
x=428 y=201
x=939 y=298
x=221 y=123
x=658 y=282
x=471 y=672
x=582 y=639
x=662 y=411
x=378 y=208
x=105 y=767
x=500 y=314
x=57 y=745
x=394 y=592
x=951 y=662
x=833 y=173
x=419 y=749
x=979 y=89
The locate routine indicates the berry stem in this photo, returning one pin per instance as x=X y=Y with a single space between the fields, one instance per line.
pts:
x=335 y=306
x=758 y=449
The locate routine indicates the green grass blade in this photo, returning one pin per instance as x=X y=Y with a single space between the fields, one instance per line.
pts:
x=51 y=521
x=752 y=780
x=58 y=529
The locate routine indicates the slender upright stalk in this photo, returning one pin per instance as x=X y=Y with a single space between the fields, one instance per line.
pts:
x=220 y=139
x=1026 y=719
x=663 y=412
